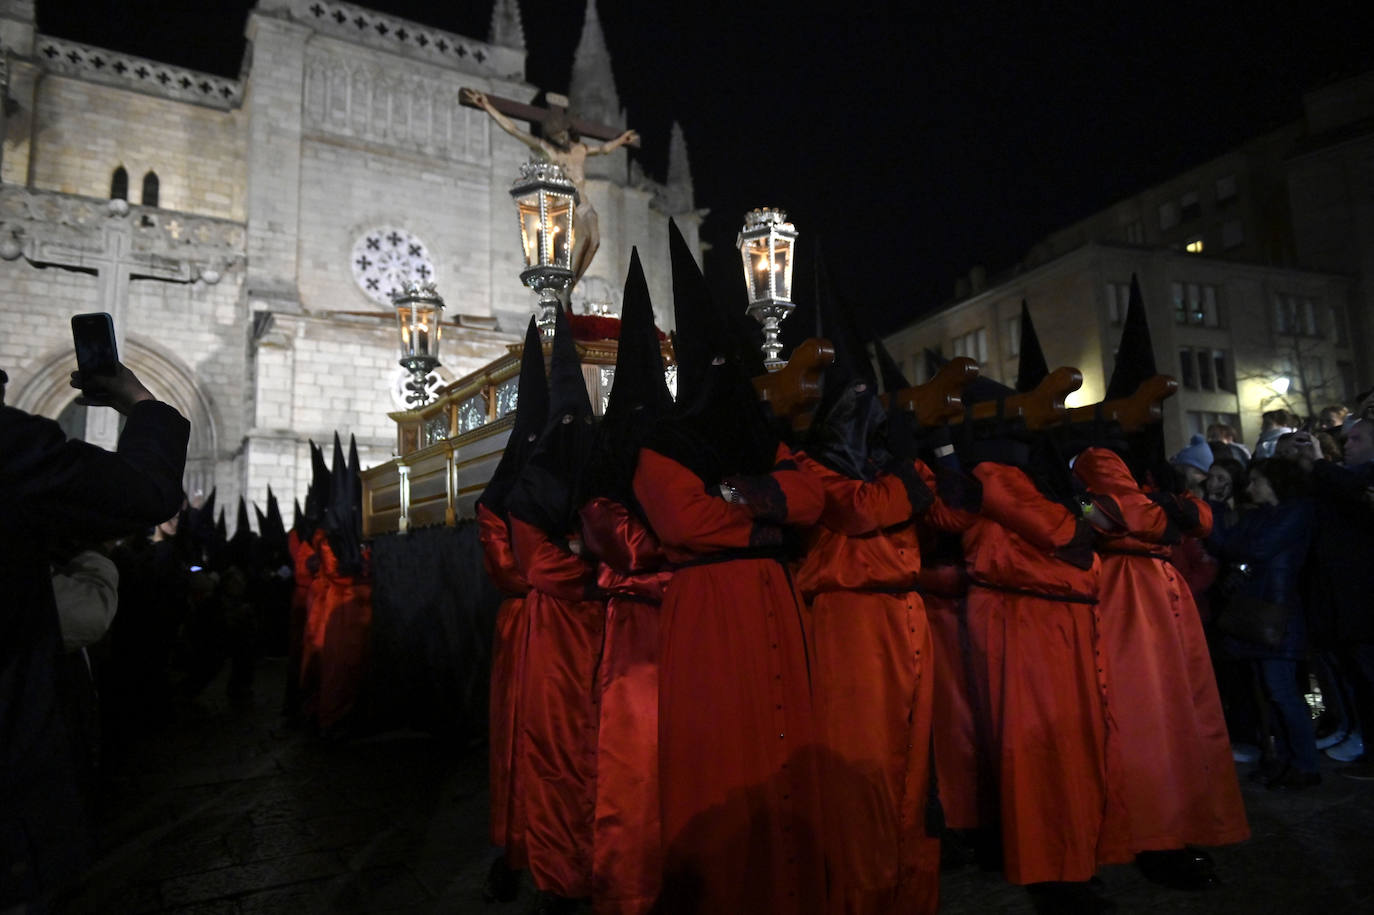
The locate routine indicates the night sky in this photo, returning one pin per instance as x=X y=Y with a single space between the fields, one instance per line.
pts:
x=916 y=139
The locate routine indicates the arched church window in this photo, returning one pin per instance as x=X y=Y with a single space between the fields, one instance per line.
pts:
x=150 y=187
x=119 y=184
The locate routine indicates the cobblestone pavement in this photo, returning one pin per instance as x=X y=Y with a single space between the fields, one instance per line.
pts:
x=229 y=813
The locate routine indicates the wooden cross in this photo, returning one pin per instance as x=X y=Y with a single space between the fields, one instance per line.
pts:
x=558 y=108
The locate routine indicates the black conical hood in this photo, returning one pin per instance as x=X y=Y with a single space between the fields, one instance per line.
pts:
x=722 y=429
x=274 y=527
x=549 y=490
x=241 y=523
x=849 y=410
x=639 y=382
x=340 y=524
x=567 y=384
x=639 y=394
x=1032 y=368
x=531 y=413
x=1135 y=357
x=262 y=519
x=297 y=517
x=317 y=493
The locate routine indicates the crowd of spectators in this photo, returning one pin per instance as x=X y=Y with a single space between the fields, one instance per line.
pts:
x=1284 y=585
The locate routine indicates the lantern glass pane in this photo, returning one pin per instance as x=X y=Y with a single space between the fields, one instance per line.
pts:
x=760 y=269
x=559 y=251
x=782 y=269
x=403 y=323
x=529 y=229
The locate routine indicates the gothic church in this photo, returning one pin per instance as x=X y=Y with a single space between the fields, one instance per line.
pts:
x=244 y=233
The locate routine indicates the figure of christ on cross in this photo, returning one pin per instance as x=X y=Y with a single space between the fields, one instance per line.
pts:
x=563 y=146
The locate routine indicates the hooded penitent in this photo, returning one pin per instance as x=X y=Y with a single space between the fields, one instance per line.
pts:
x=531 y=413
x=1135 y=363
x=639 y=395
x=549 y=490
x=1032 y=368
x=849 y=411
x=719 y=427
x=316 y=495
x=343 y=516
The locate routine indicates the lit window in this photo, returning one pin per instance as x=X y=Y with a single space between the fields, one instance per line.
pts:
x=1193 y=246
x=1205 y=380
x=1014 y=335
x=1196 y=303
x=1296 y=315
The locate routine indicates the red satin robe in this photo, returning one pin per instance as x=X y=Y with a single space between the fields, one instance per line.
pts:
x=1035 y=657
x=507 y=673
x=316 y=618
x=343 y=650
x=872 y=693
x=741 y=818
x=961 y=759
x=301 y=552
x=627 y=859
x=556 y=752
x=1178 y=779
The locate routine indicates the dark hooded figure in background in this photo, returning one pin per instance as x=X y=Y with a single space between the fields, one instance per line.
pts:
x=741 y=812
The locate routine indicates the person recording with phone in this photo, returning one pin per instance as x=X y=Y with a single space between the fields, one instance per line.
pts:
x=50 y=489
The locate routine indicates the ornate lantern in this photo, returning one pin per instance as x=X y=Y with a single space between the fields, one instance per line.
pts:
x=419 y=316
x=765 y=245
x=545 y=200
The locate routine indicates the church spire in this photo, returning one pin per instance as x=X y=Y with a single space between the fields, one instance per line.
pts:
x=679 y=172
x=506 y=30
x=592 y=88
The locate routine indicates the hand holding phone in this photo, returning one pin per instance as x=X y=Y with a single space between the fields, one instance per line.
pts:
x=101 y=378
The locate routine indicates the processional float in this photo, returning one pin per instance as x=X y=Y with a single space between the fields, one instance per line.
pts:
x=448 y=447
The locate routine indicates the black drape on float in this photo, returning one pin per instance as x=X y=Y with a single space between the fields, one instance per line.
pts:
x=433 y=614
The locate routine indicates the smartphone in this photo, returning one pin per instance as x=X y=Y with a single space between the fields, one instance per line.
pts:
x=94 y=337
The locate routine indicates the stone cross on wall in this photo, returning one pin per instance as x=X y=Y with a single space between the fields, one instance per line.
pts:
x=114 y=264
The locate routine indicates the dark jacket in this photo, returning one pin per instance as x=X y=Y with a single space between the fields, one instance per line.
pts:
x=1273 y=540
x=1340 y=580
x=51 y=488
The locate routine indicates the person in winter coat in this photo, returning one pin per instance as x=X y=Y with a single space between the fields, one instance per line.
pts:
x=1273 y=541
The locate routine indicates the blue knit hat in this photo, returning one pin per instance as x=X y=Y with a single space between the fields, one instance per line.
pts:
x=1198 y=454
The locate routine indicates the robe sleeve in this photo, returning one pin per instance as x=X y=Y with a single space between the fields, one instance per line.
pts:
x=1011 y=499
x=616 y=536
x=548 y=567
x=56 y=485
x=786 y=495
x=683 y=513
x=942 y=513
x=857 y=507
x=498 y=556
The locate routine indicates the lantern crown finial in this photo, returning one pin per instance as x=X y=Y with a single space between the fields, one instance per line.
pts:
x=763 y=217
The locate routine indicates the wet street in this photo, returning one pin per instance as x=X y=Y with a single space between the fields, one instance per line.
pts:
x=231 y=813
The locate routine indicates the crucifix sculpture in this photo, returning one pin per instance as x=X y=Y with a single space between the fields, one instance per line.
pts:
x=562 y=144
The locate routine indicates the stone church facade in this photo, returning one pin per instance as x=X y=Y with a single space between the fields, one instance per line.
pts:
x=245 y=232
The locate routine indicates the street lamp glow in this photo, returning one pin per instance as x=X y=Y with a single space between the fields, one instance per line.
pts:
x=1280 y=385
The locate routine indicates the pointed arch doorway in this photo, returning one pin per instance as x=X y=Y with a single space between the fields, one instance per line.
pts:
x=49 y=394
